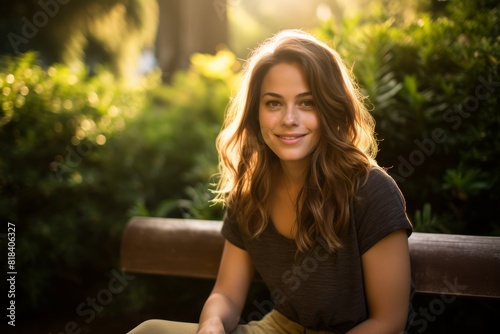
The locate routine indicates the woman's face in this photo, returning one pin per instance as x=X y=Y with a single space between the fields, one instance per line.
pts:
x=287 y=113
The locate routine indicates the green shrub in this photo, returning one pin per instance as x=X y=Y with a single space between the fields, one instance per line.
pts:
x=170 y=149
x=55 y=125
x=81 y=154
x=434 y=84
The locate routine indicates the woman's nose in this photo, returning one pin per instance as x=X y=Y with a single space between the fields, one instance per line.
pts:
x=290 y=116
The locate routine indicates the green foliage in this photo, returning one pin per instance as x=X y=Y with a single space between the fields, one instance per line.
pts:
x=169 y=151
x=433 y=85
x=465 y=183
x=55 y=125
x=424 y=221
x=81 y=153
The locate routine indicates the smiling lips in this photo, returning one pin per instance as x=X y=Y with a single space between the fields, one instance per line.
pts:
x=290 y=138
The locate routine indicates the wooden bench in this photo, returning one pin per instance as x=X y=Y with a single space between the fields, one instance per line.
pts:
x=460 y=265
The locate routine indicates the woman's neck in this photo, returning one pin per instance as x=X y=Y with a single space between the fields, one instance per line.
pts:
x=293 y=175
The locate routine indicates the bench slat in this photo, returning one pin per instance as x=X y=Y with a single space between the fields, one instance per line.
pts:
x=441 y=263
x=176 y=247
x=456 y=264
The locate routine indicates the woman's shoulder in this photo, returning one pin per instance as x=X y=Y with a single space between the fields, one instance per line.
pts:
x=378 y=179
x=379 y=187
x=379 y=208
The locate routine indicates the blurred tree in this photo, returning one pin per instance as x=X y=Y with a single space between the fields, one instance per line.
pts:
x=186 y=27
x=108 y=32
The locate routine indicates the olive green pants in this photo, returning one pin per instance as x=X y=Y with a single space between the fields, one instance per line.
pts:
x=273 y=323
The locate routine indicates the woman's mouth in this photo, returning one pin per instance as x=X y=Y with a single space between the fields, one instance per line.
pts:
x=290 y=138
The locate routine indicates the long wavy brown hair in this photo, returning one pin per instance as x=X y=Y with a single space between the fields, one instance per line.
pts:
x=338 y=165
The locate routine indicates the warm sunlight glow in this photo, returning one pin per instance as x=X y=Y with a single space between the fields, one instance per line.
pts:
x=323 y=12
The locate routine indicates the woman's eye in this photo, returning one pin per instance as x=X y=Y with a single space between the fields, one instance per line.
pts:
x=308 y=103
x=272 y=104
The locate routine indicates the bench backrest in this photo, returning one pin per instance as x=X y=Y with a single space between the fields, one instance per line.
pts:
x=441 y=263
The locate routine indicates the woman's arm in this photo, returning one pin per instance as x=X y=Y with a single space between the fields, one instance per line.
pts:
x=387 y=277
x=223 y=307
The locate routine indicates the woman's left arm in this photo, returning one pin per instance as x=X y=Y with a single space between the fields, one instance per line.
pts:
x=387 y=278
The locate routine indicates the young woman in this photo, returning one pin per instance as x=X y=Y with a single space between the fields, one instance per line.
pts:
x=307 y=206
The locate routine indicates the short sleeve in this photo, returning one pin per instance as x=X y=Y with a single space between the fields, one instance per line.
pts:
x=232 y=232
x=380 y=210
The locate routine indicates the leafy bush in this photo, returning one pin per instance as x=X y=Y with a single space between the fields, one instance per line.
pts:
x=54 y=128
x=433 y=84
x=170 y=150
x=81 y=154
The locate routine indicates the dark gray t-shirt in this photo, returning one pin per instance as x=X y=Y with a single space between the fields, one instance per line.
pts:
x=319 y=289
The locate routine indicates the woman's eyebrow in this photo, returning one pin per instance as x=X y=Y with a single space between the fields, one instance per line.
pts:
x=303 y=95
x=280 y=96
